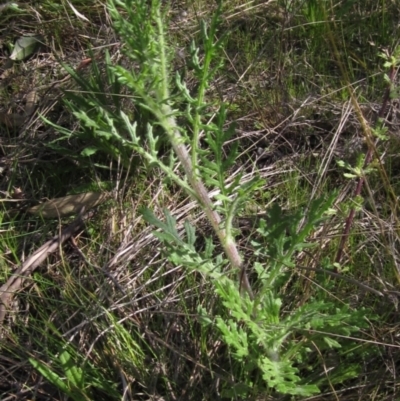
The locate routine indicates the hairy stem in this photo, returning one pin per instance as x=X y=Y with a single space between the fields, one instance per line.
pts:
x=167 y=120
x=202 y=197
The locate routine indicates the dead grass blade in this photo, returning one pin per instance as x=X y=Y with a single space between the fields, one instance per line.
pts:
x=16 y=281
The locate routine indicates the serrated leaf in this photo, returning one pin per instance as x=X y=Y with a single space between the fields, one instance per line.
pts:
x=332 y=343
x=89 y=122
x=209 y=248
x=169 y=232
x=171 y=224
x=190 y=233
x=223 y=198
x=25 y=47
x=203 y=316
x=151 y=218
x=165 y=237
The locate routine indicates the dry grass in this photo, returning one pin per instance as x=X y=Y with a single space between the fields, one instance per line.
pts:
x=110 y=293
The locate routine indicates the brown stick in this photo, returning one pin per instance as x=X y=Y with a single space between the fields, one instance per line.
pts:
x=16 y=281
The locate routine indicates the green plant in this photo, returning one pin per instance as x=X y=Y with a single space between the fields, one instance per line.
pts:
x=260 y=337
x=73 y=384
x=271 y=347
x=143 y=317
x=257 y=333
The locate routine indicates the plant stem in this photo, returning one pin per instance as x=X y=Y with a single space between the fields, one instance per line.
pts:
x=164 y=114
x=202 y=197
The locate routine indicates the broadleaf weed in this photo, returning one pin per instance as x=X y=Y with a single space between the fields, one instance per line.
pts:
x=250 y=319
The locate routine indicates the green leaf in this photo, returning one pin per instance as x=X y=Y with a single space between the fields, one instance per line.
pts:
x=169 y=231
x=283 y=377
x=235 y=337
x=89 y=122
x=203 y=316
x=25 y=47
x=49 y=375
x=190 y=233
x=332 y=343
x=73 y=372
x=89 y=151
x=348 y=175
